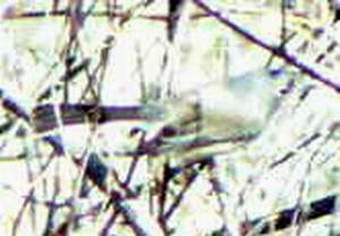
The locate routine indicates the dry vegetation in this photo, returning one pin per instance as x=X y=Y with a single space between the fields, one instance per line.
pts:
x=76 y=80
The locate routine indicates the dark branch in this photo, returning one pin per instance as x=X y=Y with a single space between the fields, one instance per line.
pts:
x=290 y=217
x=122 y=15
x=13 y=107
x=44 y=117
x=290 y=59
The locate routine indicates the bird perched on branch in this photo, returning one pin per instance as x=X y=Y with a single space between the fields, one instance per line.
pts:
x=238 y=107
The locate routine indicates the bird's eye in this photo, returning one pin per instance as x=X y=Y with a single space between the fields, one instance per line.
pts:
x=135 y=130
x=274 y=73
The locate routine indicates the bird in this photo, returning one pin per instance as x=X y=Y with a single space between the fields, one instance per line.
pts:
x=240 y=106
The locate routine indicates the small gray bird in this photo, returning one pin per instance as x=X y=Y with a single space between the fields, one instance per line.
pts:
x=240 y=106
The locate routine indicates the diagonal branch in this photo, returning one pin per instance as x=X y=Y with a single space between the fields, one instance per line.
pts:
x=11 y=105
x=291 y=216
x=290 y=59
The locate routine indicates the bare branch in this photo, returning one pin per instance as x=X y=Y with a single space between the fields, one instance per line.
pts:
x=290 y=59
x=291 y=216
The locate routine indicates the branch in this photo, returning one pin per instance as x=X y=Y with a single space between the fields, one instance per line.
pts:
x=44 y=117
x=122 y=15
x=97 y=172
x=12 y=106
x=290 y=59
x=290 y=217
